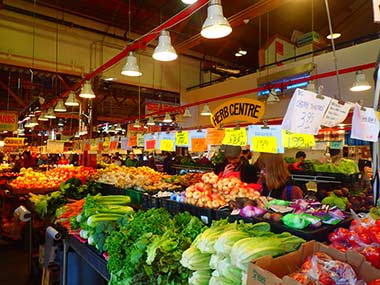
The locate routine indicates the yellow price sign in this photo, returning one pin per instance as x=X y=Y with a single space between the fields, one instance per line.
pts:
x=235 y=137
x=182 y=138
x=291 y=140
x=167 y=145
x=264 y=144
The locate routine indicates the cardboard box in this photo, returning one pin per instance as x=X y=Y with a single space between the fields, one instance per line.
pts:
x=273 y=271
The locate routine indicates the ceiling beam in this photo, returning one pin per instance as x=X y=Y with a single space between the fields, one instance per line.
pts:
x=236 y=20
x=14 y=95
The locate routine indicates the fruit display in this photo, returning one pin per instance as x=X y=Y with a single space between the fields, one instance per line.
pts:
x=214 y=192
x=30 y=180
x=221 y=254
x=8 y=175
x=5 y=167
x=140 y=178
x=344 y=166
x=363 y=236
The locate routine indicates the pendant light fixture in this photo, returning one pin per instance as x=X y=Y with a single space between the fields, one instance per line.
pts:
x=71 y=101
x=33 y=122
x=206 y=110
x=151 y=122
x=272 y=97
x=50 y=113
x=87 y=91
x=42 y=117
x=167 y=118
x=216 y=25
x=164 y=51
x=27 y=124
x=60 y=107
x=361 y=83
x=131 y=67
x=189 y=1
x=137 y=124
x=187 y=113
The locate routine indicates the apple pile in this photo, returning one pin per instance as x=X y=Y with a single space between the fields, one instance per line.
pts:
x=214 y=192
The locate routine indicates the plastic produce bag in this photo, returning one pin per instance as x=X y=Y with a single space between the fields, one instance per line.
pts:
x=295 y=221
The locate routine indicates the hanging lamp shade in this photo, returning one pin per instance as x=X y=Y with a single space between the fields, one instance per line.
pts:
x=168 y=118
x=131 y=68
x=272 y=97
x=150 y=122
x=164 y=51
x=50 y=113
x=61 y=123
x=361 y=83
x=206 y=110
x=28 y=124
x=42 y=117
x=77 y=135
x=31 y=114
x=33 y=122
x=189 y=1
x=216 y=25
x=60 y=107
x=87 y=91
x=71 y=100
x=187 y=113
x=118 y=128
x=136 y=124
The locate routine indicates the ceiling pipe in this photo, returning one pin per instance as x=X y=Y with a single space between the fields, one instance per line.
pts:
x=137 y=44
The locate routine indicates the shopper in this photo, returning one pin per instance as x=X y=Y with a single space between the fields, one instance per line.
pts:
x=275 y=178
x=300 y=156
x=28 y=160
x=131 y=161
x=63 y=160
x=238 y=166
x=167 y=163
x=151 y=163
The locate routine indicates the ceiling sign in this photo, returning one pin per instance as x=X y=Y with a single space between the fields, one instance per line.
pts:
x=238 y=110
x=8 y=120
x=14 y=141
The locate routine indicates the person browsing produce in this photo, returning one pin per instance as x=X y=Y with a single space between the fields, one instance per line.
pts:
x=275 y=178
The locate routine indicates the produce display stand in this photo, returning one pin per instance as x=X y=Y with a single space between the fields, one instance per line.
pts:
x=192 y=168
x=324 y=177
x=318 y=234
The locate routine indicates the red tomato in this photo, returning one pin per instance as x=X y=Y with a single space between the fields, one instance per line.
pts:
x=372 y=254
x=374 y=282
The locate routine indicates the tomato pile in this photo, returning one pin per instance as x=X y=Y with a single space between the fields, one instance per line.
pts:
x=362 y=236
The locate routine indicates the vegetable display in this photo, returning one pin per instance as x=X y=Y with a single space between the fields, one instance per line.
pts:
x=46 y=205
x=74 y=188
x=140 y=178
x=363 y=236
x=214 y=192
x=227 y=248
x=147 y=249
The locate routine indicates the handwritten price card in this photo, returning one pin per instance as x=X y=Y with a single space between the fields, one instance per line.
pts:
x=140 y=140
x=100 y=144
x=235 y=137
x=365 y=125
x=201 y=134
x=198 y=144
x=214 y=136
x=132 y=141
x=305 y=112
x=274 y=134
x=376 y=11
x=336 y=144
x=264 y=144
x=93 y=145
x=336 y=113
x=106 y=144
x=124 y=143
x=166 y=145
x=182 y=138
x=114 y=142
x=86 y=146
x=291 y=140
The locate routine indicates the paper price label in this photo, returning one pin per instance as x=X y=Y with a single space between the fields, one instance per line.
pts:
x=376 y=11
x=290 y=140
x=264 y=144
x=214 y=136
x=182 y=138
x=140 y=140
x=336 y=144
x=150 y=145
x=235 y=137
x=166 y=145
x=132 y=141
x=198 y=144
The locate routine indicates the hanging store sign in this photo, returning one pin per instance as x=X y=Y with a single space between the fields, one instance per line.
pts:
x=14 y=141
x=8 y=121
x=238 y=110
